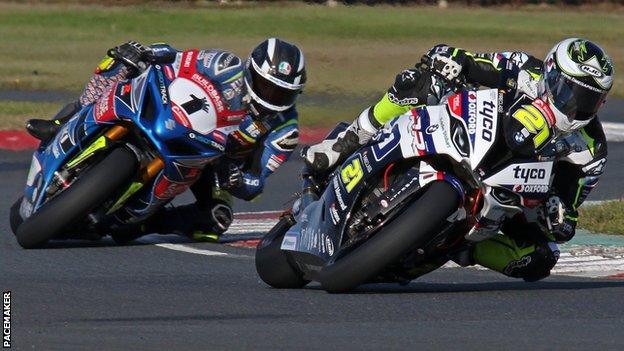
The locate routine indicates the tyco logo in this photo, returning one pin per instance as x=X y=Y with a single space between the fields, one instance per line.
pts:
x=351 y=174
x=529 y=173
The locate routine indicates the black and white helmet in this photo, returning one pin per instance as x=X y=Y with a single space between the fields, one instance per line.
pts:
x=577 y=77
x=274 y=76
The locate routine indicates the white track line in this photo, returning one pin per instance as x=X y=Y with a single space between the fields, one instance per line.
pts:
x=576 y=260
x=613 y=131
x=188 y=249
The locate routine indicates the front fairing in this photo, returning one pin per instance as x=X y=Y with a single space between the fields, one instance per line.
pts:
x=143 y=102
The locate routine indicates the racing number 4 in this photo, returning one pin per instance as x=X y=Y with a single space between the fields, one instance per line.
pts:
x=351 y=174
x=534 y=122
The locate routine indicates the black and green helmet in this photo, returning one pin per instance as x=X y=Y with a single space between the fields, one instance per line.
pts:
x=577 y=77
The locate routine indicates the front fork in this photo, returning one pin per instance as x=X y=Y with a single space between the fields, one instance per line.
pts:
x=111 y=137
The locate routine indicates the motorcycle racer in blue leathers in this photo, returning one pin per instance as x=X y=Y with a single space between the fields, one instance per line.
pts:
x=559 y=96
x=258 y=97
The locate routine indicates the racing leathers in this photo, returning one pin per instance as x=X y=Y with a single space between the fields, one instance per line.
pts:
x=527 y=248
x=255 y=148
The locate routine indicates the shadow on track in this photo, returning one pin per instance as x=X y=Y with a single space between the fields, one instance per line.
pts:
x=586 y=283
x=150 y=239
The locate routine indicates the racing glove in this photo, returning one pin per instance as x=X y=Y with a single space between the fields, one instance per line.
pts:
x=133 y=55
x=560 y=221
x=230 y=175
x=445 y=63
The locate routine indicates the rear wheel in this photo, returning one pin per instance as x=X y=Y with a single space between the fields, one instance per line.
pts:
x=418 y=223
x=90 y=190
x=273 y=264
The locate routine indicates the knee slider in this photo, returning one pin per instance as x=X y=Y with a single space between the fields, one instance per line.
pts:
x=536 y=265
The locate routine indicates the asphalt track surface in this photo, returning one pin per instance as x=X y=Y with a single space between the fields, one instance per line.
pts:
x=82 y=295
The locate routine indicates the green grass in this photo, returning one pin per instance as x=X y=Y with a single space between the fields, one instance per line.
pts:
x=606 y=217
x=13 y=114
x=354 y=50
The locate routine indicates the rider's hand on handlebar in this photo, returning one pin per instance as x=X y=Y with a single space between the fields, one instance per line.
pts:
x=230 y=175
x=133 y=55
x=445 y=66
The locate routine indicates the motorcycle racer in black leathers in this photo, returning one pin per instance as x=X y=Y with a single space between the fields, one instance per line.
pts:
x=559 y=96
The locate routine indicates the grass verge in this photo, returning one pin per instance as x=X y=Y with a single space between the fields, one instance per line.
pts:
x=13 y=114
x=606 y=217
x=349 y=50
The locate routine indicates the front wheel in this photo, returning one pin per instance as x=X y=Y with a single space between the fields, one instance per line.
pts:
x=90 y=190
x=418 y=223
x=273 y=264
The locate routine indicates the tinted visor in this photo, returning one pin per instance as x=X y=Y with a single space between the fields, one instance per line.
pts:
x=575 y=101
x=269 y=91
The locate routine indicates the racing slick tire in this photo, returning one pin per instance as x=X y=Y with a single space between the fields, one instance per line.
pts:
x=274 y=265
x=15 y=218
x=394 y=239
x=90 y=190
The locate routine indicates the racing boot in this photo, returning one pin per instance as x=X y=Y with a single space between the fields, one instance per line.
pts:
x=44 y=129
x=219 y=220
x=326 y=154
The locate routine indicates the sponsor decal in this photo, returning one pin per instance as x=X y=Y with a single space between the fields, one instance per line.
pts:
x=284 y=68
x=522 y=188
x=207 y=61
x=526 y=173
x=253 y=131
x=431 y=129
x=251 y=181
x=188 y=59
x=592 y=71
x=472 y=112
x=455 y=106
x=523 y=262
x=329 y=245
x=204 y=140
x=486 y=114
x=210 y=89
x=338 y=193
x=289 y=243
x=595 y=168
x=104 y=109
x=334 y=214
x=367 y=164
x=162 y=88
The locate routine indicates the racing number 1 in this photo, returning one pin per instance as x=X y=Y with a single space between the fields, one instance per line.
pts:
x=534 y=122
x=351 y=174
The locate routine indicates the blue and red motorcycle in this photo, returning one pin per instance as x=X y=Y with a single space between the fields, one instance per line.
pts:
x=121 y=159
